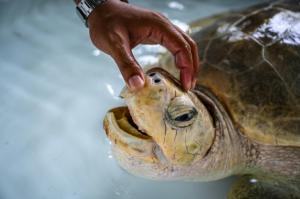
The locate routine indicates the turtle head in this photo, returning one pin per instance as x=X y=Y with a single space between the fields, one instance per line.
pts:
x=162 y=131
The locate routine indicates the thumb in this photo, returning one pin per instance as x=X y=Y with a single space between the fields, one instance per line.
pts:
x=129 y=68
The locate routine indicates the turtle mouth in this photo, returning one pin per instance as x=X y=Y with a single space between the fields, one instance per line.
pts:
x=120 y=117
x=122 y=131
x=126 y=137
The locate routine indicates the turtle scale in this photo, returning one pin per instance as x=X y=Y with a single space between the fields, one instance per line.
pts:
x=254 y=68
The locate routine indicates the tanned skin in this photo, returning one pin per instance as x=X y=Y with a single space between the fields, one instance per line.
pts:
x=117 y=27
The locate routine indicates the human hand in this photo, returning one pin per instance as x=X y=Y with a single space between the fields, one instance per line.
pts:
x=117 y=27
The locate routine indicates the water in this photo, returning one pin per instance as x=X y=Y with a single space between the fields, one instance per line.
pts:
x=55 y=89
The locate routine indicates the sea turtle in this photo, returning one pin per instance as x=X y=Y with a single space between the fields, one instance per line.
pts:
x=243 y=117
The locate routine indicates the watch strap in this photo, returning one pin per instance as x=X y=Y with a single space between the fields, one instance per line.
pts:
x=85 y=7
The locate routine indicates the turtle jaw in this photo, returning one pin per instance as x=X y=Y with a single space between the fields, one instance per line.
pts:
x=125 y=135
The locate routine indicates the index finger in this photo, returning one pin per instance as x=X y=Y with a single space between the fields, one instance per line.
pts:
x=194 y=49
x=168 y=36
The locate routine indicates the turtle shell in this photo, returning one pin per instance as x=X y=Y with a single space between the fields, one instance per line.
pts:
x=251 y=62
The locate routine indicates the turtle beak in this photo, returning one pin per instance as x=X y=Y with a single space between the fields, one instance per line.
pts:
x=127 y=138
x=125 y=93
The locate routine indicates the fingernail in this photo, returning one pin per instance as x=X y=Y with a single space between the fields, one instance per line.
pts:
x=194 y=83
x=136 y=82
x=189 y=86
x=187 y=81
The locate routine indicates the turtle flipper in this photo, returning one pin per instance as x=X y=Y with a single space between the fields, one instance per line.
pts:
x=247 y=187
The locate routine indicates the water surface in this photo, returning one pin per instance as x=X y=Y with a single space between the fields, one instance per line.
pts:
x=55 y=89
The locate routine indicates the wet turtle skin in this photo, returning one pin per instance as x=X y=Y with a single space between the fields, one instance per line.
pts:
x=251 y=62
x=250 y=59
x=243 y=117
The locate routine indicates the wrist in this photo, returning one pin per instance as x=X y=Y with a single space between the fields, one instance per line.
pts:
x=85 y=8
x=101 y=12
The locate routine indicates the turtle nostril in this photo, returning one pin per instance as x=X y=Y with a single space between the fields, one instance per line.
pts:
x=155 y=77
x=157 y=81
x=152 y=74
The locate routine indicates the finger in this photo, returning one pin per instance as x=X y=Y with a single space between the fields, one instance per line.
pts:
x=186 y=76
x=167 y=35
x=130 y=70
x=128 y=66
x=194 y=50
x=195 y=57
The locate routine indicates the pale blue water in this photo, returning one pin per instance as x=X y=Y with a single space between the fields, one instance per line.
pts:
x=55 y=88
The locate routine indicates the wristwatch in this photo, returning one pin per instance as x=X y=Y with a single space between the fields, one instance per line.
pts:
x=85 y=7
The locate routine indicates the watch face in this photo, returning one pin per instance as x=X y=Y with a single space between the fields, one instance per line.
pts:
x=85 y=7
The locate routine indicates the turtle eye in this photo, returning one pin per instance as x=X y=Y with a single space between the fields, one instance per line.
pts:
x=181 y=114
x=185 y=117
